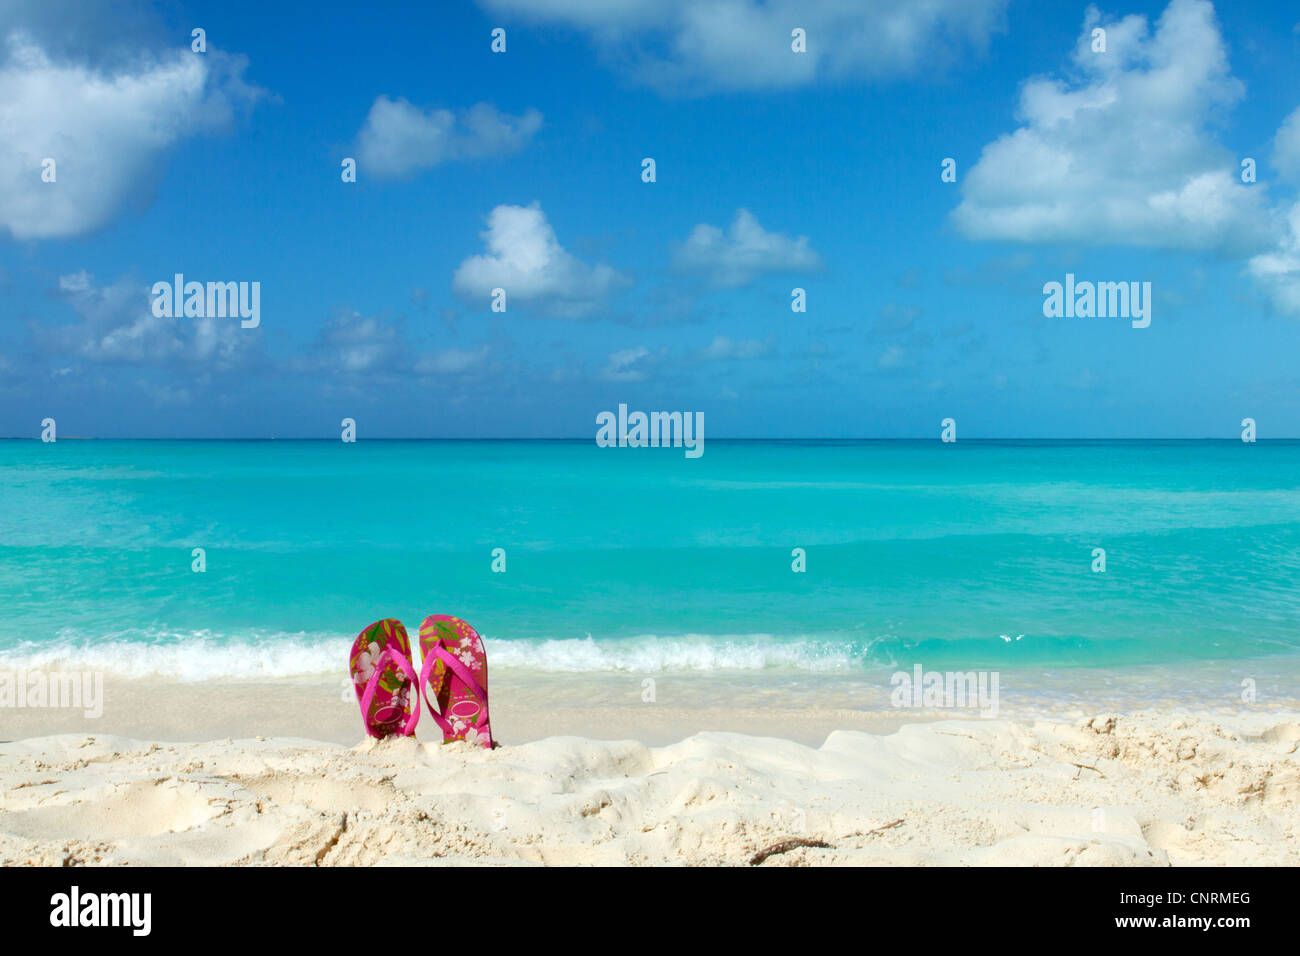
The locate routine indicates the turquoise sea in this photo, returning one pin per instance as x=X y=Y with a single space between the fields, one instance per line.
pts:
x=977 y=554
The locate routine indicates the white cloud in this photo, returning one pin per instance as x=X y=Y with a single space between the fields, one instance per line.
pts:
x=118 y=326
x=399 y=139
x=723 y=348
x=351 y=344
x=525 y=258
x=1122 y=151
x=358 y=347
x=1286 y=147
x=105 y=128
x=892 y=357
x=688 y=45
x=451 y=361
x=745 y=250
x=628 y=365
x=1278 y=271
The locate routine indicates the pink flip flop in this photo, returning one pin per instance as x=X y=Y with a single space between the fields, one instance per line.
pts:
x=383 y=675
x=455 y=673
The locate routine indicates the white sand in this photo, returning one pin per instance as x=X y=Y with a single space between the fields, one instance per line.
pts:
x=1148 y=789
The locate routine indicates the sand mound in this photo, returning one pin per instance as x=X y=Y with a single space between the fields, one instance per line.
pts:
x=1148 y=789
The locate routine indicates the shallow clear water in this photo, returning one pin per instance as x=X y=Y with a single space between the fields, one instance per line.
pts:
x=646 y=561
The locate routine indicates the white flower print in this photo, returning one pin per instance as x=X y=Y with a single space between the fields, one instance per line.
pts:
x=366 y=661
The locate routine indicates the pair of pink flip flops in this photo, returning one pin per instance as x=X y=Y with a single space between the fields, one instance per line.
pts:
x=454 y=674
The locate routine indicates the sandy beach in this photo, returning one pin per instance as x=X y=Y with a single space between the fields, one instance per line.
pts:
x=247 y=777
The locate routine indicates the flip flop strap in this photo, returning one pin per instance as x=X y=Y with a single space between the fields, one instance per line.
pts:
x=463 y=672
x=386 y=656
x=425 y=672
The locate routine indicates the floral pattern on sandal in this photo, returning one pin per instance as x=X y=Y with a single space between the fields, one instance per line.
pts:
x=455 y=674
x=381 y=669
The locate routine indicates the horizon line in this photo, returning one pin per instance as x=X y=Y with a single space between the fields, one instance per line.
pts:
x=588 y=438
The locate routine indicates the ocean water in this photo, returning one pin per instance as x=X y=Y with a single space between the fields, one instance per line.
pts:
x=969 y=555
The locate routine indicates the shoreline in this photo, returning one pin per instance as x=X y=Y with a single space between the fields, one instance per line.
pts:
x=523 y=711
x=657 y=708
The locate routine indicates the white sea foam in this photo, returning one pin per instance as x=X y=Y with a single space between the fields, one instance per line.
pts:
x=693 y=652
x=206 y=656
x=193 y=657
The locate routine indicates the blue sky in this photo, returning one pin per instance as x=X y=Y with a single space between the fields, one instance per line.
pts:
x=774 y=170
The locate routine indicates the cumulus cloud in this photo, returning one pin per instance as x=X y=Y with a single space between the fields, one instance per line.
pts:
x=1121 y=151
x=743 y=251
x=692 y=45
x=178 y=360
x=894 y=357
x=1278 y=272
x=352 y=346
x=629 y=365
x=117 y=326
x=525 y=258
x=105 y=126
x=351 y=343
x=723 y=348
x=1286 y=147
x=895 y=318
x=451 y=361
x=97 y=34
x=398 y=139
